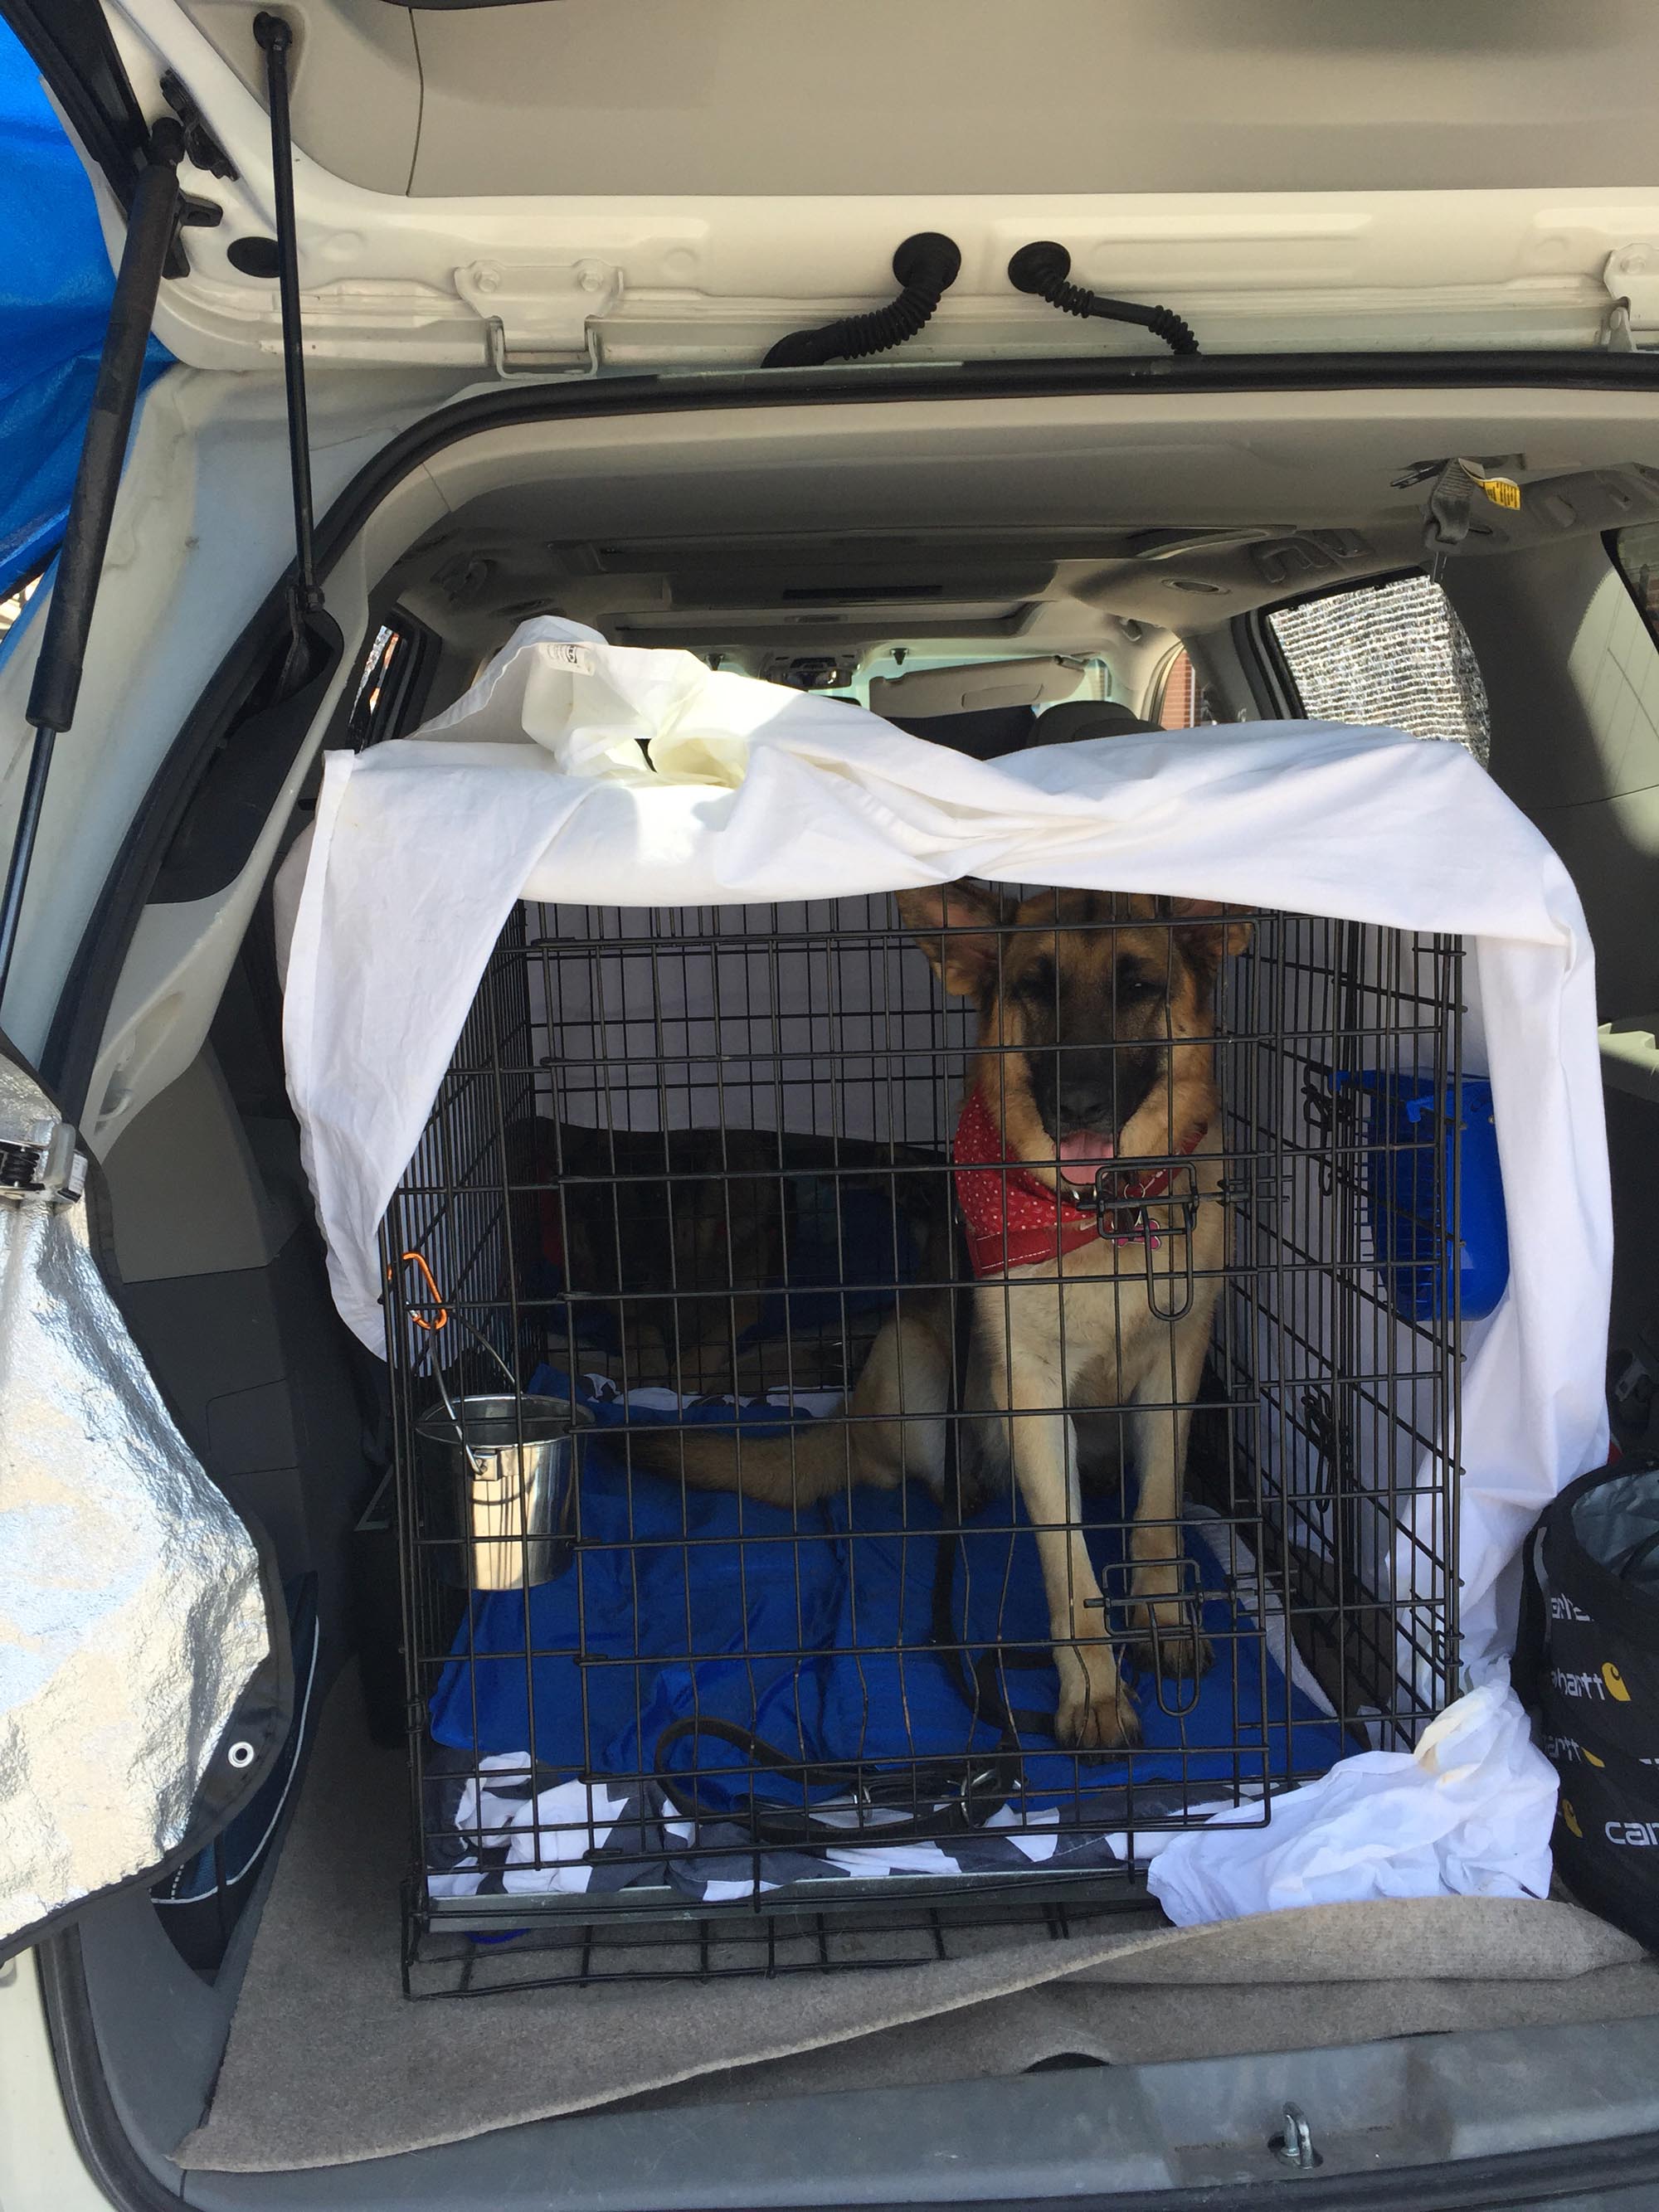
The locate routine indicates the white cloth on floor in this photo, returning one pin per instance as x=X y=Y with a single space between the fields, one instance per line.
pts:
x=535 y=785
x=538 y=1840
x=1467 y=1814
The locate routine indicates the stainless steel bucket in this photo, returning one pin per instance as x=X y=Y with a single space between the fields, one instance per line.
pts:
x=498 y=1488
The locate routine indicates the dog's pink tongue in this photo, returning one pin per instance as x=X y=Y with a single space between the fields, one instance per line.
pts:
x=1082 y=1154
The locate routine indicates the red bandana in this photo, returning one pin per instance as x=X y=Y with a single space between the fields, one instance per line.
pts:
x=1013 y=1220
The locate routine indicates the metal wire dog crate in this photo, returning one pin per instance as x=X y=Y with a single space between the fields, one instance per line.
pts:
x=684 y=1218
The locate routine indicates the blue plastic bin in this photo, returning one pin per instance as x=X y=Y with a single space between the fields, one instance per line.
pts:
x=1401 y=1156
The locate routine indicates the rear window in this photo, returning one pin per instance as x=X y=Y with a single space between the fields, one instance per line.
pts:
x=1636 y=552
x=1183 y=705
x=1394 y=654
x=393 y=681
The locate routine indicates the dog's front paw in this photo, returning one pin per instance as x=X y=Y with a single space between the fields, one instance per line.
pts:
x=1168 y=1640
x=1095 y=1712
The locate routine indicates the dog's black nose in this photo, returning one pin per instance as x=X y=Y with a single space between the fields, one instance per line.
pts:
x=1085 y=1105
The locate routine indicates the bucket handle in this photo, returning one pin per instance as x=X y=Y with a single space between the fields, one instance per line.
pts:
x=434 y=1328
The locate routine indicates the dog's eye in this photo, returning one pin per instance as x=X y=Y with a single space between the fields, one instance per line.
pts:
x=1132 y=986
x=1038 y=980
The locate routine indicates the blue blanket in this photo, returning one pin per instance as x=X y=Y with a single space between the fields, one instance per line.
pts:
x=709 y=1604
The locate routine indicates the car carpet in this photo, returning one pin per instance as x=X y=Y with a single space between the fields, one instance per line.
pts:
x=328 y=2062
x=660 y=1567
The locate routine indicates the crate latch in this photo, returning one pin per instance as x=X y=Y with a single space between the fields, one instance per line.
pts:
x=1123 y=1219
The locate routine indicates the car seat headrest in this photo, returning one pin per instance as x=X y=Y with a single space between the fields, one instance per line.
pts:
x=985 y=734
x=926 y=692
x=1077 y=718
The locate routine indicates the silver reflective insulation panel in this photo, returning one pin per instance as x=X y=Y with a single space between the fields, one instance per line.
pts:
x=132 y=1615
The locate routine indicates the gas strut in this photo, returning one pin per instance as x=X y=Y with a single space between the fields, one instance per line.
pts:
x=152 y=225
x=276 y=35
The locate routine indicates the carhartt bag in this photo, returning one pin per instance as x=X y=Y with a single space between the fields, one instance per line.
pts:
x=1587 y=1665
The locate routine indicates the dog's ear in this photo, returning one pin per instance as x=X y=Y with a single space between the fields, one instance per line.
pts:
x=1210 y=934
x=957 y=925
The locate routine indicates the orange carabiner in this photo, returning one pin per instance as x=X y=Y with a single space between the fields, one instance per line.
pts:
x=419 y=1260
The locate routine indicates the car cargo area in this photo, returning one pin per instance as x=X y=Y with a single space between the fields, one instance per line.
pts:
x=810 y=1666
x=687 y=1154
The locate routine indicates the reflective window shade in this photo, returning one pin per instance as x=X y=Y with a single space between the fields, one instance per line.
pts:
x=1393 y=654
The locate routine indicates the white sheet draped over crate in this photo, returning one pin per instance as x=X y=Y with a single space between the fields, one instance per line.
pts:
x=535 y=785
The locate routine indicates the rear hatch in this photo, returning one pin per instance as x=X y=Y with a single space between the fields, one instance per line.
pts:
x=571 y=186
x=568 y=182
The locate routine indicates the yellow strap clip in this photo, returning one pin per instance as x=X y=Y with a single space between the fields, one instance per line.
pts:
x=1502 y=491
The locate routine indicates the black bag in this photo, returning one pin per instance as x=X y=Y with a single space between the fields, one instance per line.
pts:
x=1587 y=1666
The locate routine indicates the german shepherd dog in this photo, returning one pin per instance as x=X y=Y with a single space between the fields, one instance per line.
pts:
x=1095 y=1051
x=680 y=1237
x=677 y=1233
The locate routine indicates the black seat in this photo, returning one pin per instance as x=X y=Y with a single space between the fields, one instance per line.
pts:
x=1068 y=724
x=983 y=732
x=982 y=709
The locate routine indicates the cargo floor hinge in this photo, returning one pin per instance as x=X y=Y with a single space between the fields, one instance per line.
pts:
x=275 y=36
x=151 y=240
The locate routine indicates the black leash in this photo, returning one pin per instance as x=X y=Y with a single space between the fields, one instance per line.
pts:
x=964 y=1798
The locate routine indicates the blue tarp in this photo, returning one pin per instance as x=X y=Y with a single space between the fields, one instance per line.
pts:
x=796 y=1623
x=56 y=284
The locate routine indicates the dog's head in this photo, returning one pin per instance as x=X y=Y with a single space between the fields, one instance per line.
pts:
x=1097 y=1016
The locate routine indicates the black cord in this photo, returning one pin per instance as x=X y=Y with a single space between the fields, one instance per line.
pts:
x=964 y=1791
x=926 y=266
x=1043 y=267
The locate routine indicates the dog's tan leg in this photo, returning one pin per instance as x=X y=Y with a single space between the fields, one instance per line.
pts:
x=1160 y=1419
x=1094 y=1713
x=909 y=1368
